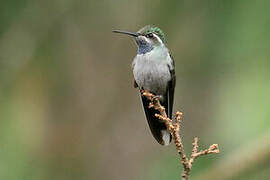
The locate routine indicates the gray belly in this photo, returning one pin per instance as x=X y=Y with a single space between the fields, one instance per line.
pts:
x=152 y=76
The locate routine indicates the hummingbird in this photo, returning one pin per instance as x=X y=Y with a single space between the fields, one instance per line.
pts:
x=154 y=71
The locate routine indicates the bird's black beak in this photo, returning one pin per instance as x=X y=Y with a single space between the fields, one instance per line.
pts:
x=134 y=34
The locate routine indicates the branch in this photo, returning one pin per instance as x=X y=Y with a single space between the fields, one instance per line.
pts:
x=244 y=161
x=174 y=128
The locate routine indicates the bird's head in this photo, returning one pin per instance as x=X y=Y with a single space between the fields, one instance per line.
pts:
x=147 y=38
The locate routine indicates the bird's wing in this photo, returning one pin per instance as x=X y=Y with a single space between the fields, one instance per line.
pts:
x=135 y=85
x=170 y=89
x=157 y=127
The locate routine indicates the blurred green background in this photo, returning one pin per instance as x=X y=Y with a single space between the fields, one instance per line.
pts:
x=69 y=110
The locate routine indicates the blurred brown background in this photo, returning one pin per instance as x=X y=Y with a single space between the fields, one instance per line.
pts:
x=67 y=103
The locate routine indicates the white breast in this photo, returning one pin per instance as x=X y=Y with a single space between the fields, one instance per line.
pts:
x=151 y=71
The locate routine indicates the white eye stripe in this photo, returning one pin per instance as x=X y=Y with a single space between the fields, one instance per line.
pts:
x=156 y=36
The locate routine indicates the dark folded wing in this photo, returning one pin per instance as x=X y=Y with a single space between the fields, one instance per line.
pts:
x=154 y=123
x=170 y=90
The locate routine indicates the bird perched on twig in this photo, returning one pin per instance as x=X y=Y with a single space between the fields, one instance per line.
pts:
x=153 y=70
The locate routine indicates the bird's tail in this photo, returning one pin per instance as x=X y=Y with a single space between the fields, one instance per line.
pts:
x=157 y=127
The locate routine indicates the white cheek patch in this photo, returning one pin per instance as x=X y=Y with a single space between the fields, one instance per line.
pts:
x=159 y=40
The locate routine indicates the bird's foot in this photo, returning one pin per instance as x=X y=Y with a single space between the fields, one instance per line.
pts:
x=153 y=96
x=157 y=97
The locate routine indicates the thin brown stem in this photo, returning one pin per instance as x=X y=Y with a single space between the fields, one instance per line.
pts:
x=174 y=129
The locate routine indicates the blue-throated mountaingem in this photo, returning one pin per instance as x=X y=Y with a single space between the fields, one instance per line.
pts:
x=153 y=70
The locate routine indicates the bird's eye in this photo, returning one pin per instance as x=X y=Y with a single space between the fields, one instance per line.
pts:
x=150 y=35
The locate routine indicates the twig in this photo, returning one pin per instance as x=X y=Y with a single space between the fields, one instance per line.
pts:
x=248 y=159
x=174 y=128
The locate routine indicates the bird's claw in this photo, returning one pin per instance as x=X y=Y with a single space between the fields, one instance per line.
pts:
x=156 y=97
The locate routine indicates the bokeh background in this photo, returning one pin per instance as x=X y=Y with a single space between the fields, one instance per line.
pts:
x=69 y=111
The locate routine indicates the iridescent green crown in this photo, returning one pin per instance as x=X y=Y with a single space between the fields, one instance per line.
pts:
x=153 y=29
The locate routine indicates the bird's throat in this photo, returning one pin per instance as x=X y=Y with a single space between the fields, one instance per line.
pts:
x=144 y=48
